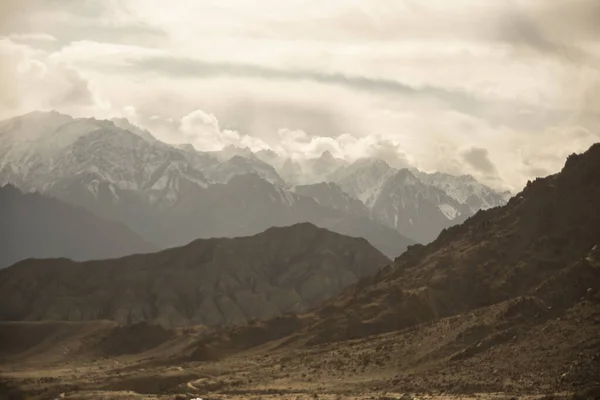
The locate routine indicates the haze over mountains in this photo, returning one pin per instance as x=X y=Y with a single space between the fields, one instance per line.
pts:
x=35 y=226
x=299 y=200
x=508 y=301
x=542 y=247
x=171 y=195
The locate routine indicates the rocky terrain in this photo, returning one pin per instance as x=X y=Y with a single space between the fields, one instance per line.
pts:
x=211 y=282
x=539 y=254
x=505 y=305
x=36 y=226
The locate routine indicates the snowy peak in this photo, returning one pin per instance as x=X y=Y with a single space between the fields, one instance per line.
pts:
x=90 y=154
x=118 y=162
x=363 y=178
x=416 y=204
x=129 y=162
x=415 y=208
x=466 y=190
x=44 y=149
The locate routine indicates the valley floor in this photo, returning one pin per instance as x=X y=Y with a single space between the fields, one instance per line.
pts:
x=231 y=380
x=460 y=357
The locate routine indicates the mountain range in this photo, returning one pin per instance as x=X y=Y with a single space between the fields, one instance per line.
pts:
x=226 y=281
x=36 y=226
x=173 y=194
x=507 y=302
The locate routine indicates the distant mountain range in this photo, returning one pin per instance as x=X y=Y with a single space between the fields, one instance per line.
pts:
x=35 y=226
x=173 y=194
x=212 y=281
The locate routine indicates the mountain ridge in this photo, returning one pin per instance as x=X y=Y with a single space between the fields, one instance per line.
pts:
x=122 y=173
x=208 y=281
x=33 y=225
x=515 y=258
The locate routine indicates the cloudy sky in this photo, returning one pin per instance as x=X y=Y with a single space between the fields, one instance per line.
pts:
x=503 y=90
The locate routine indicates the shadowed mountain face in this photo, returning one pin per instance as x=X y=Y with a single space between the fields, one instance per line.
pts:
x=248 y=204
x=502 y=272
x=215 y=281
x=519 y=249
x=32 y=225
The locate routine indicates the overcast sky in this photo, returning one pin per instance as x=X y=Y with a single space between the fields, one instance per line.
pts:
x=503 y=90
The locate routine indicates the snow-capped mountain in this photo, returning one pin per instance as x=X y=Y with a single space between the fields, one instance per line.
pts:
x=45 y=151
x=41 y=150
x=466 y=190
x=168 y=194
x=363 y=179
x=407 y=204
x=122 y=172
x=416 y=204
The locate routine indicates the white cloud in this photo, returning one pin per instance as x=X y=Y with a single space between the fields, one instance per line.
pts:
x=29 y=80
x=297 y=144
x=420 y=83
x=203 y=131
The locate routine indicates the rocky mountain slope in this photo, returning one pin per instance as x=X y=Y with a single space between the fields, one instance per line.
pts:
x=509 y=300
x=214 y=281
x=32 y=225
x=498 y=254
